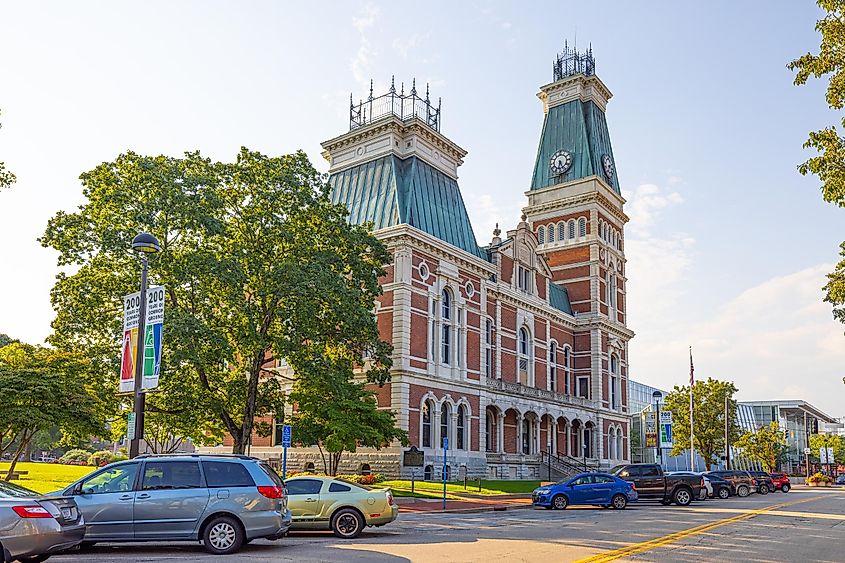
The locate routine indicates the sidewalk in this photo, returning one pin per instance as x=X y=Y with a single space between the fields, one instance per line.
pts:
x=465 y=503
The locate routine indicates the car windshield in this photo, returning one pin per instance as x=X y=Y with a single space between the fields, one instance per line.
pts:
x=616 y=469
x=10 y=490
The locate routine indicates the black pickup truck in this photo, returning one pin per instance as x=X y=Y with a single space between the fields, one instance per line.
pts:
x=652 y=483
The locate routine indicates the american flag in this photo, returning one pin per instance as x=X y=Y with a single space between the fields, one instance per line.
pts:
x=691 y=369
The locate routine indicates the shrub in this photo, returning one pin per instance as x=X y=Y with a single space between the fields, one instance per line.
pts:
x=75 y=457
x=819 y=478
x=103 y=457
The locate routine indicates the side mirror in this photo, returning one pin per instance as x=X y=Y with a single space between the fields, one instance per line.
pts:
x=77 y=489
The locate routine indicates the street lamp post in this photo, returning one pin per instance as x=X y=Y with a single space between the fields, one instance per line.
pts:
x=658 y=457
x=143 y=244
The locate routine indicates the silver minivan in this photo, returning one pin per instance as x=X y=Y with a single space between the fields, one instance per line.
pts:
x=222 y=501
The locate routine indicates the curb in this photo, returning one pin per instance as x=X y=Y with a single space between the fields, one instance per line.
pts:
x=480 y=509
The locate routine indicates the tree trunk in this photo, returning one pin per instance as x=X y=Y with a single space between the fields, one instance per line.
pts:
x=323 y=455
x=25 y=439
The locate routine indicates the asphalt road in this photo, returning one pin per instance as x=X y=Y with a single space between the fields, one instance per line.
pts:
x=803 y=525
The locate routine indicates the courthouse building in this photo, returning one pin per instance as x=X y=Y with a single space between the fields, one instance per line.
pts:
x=514 y=349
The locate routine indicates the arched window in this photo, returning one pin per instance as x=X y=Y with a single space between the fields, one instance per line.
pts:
x=541 y=235
x=620 y=449
x=309 y=466
x=365 y=469
x=603 y=231
x=446 y=329
x=553 y=366
x=524 y=356
x=428 y=473
x=567 y=369
x=611 y=443
x=551 y=233
x=561 y=231
x=582 y=227
x=461 y=429
x=445 y=415
x=426 y=424
x=571 y=229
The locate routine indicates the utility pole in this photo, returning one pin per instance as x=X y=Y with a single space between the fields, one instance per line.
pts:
x=727 y=436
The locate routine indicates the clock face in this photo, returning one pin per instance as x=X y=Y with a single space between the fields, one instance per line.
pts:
x=607 y=164
x=560 y=162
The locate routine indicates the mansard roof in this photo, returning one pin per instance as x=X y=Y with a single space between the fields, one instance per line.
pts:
x=390 y=191
x=559 y=298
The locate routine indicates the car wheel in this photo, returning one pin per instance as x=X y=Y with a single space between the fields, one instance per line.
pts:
x=665 y=502
x=222 y=536
x=619 y=502
x=682 y=497
x=87 y=545
x=347 y=524
x=742 y=491
x=764 y=489
x=785 y=488
x=724 y=493
x=560 y=502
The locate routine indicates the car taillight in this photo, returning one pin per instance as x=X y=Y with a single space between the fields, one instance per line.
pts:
x=701 y=483
x=34 y=511
x=389 y=499
x=272 y=492
x=633 y=486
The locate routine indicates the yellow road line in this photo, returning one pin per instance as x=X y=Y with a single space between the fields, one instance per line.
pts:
x=635 y=548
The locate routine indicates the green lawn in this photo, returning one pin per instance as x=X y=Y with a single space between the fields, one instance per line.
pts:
x=487 y=487
x=46 y=477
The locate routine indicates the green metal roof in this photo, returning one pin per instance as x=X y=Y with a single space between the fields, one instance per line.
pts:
x=391 y=191
x=579 y=127
x=559 y=298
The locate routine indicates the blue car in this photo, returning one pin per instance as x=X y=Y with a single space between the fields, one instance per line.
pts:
x=599 y=489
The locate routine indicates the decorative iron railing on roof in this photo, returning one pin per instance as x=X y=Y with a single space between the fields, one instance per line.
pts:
x=571 y=62
x=404 y=106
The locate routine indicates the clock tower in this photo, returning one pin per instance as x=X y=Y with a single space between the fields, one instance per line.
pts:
x=575 y=208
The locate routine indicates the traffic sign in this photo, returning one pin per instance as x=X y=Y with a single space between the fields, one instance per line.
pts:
x=130 y=426
x=286 y=436
x=445 y=443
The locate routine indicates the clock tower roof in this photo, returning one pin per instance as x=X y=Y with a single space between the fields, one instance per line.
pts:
x=575 y=141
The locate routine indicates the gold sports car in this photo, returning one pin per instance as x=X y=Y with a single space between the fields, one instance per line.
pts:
x=325 y=503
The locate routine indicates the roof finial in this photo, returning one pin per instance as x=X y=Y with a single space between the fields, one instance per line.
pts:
x=426 y=91
x=523 y=217
x=414 y=87
x=497 y=231
x=371 y=89
x=402 y=92
x=351 y=103
x=392 y=84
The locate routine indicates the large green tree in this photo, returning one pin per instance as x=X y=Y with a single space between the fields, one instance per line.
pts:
x=818 y=441
x=829 y=163
x=767 y=445
x=257 y=262
x=41 y=389
x=336 y=412
x=708 y=418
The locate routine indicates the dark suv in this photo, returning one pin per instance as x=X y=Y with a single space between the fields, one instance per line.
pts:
x=765 y=484
x=743 y=483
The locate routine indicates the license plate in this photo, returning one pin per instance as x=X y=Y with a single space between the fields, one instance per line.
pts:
x=68 y=513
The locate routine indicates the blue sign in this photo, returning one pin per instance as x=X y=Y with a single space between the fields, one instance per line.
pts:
x=445 y=443
x=286 y=436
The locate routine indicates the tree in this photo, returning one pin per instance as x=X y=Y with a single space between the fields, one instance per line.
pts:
x=709 y=418
x=817 y=441
x=829 y=165
x=41 y=389
x=6 y=177
x=257 y=262
x=5 y=340
x=335 y=412
x=767 y=444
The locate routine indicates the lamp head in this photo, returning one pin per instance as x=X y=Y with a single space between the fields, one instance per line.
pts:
x=146 y=244
x=657 y=395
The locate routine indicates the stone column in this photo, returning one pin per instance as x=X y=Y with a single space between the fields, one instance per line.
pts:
x=435 y=429
x=553 y=434
x=500 y=432
x=519 y=431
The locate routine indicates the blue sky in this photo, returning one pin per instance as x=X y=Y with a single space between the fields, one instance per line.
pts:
x=727 y=245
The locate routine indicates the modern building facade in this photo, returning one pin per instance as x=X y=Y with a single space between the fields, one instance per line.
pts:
x=513 y=350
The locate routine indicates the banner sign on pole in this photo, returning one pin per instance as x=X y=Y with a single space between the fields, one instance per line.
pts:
x=823 y=456
x=666 y=440
x=153 y=325
x=830 y=455
x=650 y=430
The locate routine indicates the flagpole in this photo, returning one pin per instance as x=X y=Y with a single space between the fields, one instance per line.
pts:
x=691 y=408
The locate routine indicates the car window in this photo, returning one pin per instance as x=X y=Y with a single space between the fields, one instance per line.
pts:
x=304 y=486
x=171 y=475
x=10 y=490
x=339 y=488
x=602 y=479
x=650 y=471
x=585 y=480
x=226 y=474
x=632 y=471
x=111 y=480
x=271 y=473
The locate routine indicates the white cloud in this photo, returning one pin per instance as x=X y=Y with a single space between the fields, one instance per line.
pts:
x=484 y=212
x=645 y=204
x=362 y=61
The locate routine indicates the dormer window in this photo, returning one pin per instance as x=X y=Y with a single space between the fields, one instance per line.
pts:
x=525 y=279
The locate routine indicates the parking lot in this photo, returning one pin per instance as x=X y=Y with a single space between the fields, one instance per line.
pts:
x=803 y=525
